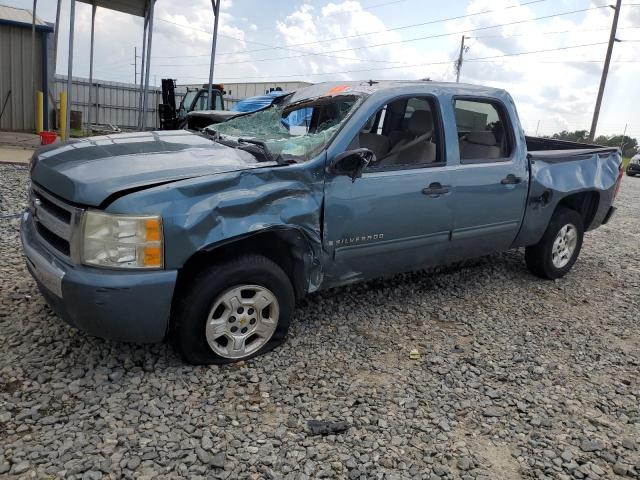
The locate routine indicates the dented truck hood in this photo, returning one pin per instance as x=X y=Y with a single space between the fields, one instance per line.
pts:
x=91 y=170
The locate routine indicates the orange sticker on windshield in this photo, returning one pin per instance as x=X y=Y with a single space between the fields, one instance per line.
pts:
x=338 y=89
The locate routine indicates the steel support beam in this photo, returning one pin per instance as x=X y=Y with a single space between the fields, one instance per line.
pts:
x=147 y=65
x=142 y=63
x=72 y=15
x=216 y=10
x=55 y=36
x=91 y=106
x=33 y=53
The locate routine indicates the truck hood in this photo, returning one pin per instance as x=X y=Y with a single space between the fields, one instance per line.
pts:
x=90 y=170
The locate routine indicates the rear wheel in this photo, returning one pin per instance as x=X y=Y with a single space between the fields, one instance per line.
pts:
x=234 y=311
x=559 y=247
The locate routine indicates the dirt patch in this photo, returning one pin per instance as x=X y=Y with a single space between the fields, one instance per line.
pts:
x=497 y=458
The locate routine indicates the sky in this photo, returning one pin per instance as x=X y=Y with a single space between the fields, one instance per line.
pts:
x=319 y=40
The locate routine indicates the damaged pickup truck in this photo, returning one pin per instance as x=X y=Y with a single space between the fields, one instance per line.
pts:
x=208 y=239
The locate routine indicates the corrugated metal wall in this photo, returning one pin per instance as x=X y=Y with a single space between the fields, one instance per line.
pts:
x=117 y=102
x=15 y=77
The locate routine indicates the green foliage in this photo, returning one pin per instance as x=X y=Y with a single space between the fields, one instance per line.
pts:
x=628 y=144
x=577 y=136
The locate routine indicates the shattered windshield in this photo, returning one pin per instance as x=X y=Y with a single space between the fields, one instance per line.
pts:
x=292 y=131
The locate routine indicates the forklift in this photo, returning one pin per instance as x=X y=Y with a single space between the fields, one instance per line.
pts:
x=196 y=99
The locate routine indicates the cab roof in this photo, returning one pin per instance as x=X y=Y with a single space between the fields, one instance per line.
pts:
x=370 y=87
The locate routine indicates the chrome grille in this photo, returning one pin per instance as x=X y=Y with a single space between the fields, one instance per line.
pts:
x=56 y=221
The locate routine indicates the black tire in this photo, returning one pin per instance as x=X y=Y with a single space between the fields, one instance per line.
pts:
x=192 y=309
x=539 y=257
x=629 y=174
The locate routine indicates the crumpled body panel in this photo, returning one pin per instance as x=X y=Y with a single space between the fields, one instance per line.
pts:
x=555 y=175
x=202 y=212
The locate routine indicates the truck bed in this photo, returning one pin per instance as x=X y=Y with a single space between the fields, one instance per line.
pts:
x=559 y=169
x=552 y=150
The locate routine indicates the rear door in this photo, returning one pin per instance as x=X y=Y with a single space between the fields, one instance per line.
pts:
x=491 y=182
x=397 y=216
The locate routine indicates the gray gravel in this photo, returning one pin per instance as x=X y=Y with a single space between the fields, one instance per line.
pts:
x=518 y=378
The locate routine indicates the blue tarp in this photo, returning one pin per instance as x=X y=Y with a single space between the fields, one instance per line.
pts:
x=252 y=104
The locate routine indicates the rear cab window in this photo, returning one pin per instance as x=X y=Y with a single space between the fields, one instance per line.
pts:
x=484 y=132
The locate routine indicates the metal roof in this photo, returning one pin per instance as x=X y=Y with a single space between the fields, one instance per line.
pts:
x=130 y=7
x=19 y=16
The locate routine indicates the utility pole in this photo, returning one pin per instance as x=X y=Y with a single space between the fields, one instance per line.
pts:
x=537 y=127
x=459 y=61
x=605 y=70
x=135 y=65
x=623 y=135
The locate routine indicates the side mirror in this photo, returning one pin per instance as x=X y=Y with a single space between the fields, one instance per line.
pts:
x=352 y=162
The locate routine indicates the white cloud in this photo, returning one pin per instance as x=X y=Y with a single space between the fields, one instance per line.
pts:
x=560 y=94
x=551 y=86
x=346 y=26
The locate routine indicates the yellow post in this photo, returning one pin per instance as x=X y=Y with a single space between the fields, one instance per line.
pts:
x=62 y=114
x=39 y=111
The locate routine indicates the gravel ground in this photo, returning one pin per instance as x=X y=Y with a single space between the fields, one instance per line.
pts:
x=518 y=378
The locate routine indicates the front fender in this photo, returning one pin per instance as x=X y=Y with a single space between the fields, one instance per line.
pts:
x=203 y=212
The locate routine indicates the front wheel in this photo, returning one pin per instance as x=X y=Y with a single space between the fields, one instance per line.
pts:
x=559 y=247
x=233 y=311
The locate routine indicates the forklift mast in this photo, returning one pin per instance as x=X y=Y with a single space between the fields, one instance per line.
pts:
x=174 y=117
x=167 y=109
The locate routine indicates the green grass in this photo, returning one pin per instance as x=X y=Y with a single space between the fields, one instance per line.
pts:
x=625 y=162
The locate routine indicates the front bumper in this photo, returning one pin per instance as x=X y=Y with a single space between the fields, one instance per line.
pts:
x=119 y=305
x=633 y=168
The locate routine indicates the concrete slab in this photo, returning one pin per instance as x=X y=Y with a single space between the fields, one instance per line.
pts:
x=19 y=156
x=19 y=140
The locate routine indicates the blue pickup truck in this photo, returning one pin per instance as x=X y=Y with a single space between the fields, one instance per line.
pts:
x=208 y=239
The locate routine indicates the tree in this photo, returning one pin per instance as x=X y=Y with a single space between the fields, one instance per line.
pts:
x=577 y=136
x=628 y=145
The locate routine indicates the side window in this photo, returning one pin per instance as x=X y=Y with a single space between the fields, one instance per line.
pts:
x=404 y=133
x=482 y=131
x=203 y=102
x=219 y=105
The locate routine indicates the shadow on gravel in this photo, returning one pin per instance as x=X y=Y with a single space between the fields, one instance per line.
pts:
x=449 y=281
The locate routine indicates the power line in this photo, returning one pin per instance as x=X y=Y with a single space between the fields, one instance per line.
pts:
x=561 y=62
x=413 y=25
x=342 y=12
x=549 y=33
x=453 y=33
x=419 y=64
x=269 y=47
x=409 y=40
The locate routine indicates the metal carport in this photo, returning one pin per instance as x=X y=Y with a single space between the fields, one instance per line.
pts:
x=140 y=8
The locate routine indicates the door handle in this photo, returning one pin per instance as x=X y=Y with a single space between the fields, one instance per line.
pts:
x=510 y=179
x=435 y=189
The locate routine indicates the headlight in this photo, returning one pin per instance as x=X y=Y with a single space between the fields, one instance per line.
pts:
x=122 y=241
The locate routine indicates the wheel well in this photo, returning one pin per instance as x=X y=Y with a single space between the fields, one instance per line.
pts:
x=585 y=203
x=287 y=248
